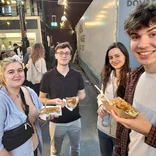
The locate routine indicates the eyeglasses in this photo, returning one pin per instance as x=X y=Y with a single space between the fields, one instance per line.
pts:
x=62 y=53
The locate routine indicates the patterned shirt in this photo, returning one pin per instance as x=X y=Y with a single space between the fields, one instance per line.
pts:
x=122 y=134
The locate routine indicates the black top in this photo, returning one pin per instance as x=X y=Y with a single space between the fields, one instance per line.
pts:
x=58 y=86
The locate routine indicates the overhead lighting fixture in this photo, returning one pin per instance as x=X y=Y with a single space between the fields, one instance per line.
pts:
x=63 y=18
x=60 y=2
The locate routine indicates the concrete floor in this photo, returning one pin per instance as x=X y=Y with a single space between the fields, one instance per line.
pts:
x=89 y=140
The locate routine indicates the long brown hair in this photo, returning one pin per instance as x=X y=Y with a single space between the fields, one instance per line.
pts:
x=107 y=69
x=37 y=52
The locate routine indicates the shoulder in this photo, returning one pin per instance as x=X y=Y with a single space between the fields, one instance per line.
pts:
x=27 y=91
x=50 y=73
x=135 y=73
x=74 y=71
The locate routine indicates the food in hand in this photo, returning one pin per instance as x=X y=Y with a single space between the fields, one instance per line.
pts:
x=71 y=102
x=123 y=105
x=121 y=108
x=48 y=110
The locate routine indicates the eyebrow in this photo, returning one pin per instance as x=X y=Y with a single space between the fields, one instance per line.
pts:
x=151 y=29
x=14 y=69
x=114 y=55
x=134 y=33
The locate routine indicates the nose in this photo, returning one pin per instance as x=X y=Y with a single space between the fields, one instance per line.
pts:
x=113 y=59
x=143 y=42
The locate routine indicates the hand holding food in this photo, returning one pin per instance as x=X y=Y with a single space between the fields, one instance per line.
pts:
x=139 y=124
x=49 y=112
x=58 y=101
x=101 y=111
x=71 y=102
x=121 y=108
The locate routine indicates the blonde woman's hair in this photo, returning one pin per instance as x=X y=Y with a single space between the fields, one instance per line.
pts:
x=3 y=64
x=37 y=52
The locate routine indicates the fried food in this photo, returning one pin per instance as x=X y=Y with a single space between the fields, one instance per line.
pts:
x=71 y=102
x=49 y=110
x=123 y=105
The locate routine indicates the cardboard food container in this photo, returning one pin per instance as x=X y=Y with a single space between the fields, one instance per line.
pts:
x=120 y=112
x=44 y=112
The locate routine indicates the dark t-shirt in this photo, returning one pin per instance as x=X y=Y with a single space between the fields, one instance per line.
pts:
x=58 y=86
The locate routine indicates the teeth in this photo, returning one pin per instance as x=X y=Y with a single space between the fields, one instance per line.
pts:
x=146 y=53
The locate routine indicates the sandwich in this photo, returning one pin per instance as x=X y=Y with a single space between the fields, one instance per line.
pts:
x=48 y=110
x=71 y=102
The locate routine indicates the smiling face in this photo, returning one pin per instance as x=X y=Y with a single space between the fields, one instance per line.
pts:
x=63 y=56
x=143 y=45
x=14 y=75
x=116 y=58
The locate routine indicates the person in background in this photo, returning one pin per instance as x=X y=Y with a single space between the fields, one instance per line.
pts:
x=114 y=76
x=27 y=55
x=14 y=56
x=18 y=50
x=14 y=111
x=25 y=61
x=59 y=83
x=36 y=66
x=138 y=136
x=52 y=56
x=3 y=55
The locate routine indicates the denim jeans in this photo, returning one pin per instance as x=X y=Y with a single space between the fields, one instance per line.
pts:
x=106 y=144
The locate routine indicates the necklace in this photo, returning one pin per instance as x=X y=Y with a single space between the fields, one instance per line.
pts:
x=16 y=95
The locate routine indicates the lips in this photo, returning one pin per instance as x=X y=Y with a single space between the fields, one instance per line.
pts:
x=146 y=53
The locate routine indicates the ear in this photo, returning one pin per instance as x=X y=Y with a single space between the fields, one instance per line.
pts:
x=70 y=57
x=55 y=56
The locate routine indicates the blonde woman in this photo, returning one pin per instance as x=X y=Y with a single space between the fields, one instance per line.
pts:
x=36 y=66
x=18 y=105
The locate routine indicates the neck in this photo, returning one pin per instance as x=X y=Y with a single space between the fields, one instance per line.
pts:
x=63 y=69
x=117 y=73
x=13 y=91
x=150 y=69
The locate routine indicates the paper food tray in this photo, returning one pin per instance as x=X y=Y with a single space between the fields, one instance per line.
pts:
x=45 y=115
x=119 y=112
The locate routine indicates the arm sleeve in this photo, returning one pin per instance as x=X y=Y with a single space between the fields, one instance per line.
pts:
x=81 y=82
x=2 y=121
x=43 y=66
x=44 y=84
x=151 y=138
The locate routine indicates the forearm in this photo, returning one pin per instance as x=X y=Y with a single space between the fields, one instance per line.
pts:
x=81 y=95
x=47 y=101
x=4 y=152
x=151 y=137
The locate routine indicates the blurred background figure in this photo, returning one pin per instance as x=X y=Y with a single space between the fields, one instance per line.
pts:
x=114 y=76
x=14 y=56
x=18 y=50
x=36 y=66
x=53 y=61
x=27 y=55
x=3 y=55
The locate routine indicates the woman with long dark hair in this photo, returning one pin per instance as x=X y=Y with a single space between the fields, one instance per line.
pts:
x=113 y=76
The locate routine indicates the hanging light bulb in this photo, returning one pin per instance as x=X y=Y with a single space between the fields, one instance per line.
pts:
x=63 y=18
